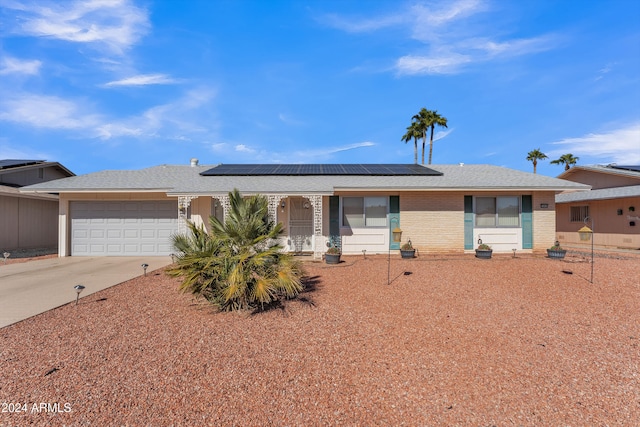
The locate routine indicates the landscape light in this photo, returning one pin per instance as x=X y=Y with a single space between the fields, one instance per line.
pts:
x=78 y=288
x=6 y=256
x=144 y=267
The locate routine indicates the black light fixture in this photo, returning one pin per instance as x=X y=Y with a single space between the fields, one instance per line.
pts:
x=282 y=205
x=144 y=267
x=78 y=289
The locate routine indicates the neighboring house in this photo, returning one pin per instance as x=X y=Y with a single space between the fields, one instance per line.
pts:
x=440 y=207
x=28 y=220
x=613 y=204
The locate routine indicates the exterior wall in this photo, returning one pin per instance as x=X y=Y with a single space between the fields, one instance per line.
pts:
x=599 y=180
x=434 y=221
x=611 y=229
x=31 y=176
x=544 y=220
x=64 y=220
x=28 y=223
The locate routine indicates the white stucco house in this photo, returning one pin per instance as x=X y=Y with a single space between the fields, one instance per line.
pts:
x=440 y=207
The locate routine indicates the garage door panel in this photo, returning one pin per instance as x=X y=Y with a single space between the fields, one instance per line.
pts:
x=123 y=228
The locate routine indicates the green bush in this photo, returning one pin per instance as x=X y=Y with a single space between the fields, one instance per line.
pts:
x=239 y=264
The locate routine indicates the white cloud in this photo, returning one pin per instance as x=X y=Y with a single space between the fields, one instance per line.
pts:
x=46 y=112
x=143 y=80
x=618 y=146
x=314 y=155
x=117 y=24
x=412 y=64
x=354 y=26
x=450 y=37
x=174 y=121
x=10 y=65
x=244 y=149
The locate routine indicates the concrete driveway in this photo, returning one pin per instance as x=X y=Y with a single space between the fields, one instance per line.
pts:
x=33 y=287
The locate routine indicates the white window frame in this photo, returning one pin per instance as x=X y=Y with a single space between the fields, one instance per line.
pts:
x=368 y=204
x=495 y=215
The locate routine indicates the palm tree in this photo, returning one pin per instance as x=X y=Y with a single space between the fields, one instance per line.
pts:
x=434 y=119
x=239 y=264
x=428 y=119
x=421 y=123
x=413 y=133
x=567 y=160
x=534 y=156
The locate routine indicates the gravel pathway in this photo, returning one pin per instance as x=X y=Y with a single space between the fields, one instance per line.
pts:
x=453 y=341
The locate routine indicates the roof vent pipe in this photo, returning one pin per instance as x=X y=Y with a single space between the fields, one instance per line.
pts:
x=461 y=164
x=194 y=162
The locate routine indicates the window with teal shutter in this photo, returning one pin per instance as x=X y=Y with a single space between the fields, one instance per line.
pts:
x=468 y=222
x=394 y=219
x=334 y=221
x=527 y=222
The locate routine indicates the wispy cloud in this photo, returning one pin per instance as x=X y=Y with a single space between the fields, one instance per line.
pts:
x=242 y=148
x=363 y=25
x=450 y=38
x=9 y=65
x=618 y=145
x=316 y=155
x=116 y=24
x=47 y=112
x=177 y=120
x=144 y=80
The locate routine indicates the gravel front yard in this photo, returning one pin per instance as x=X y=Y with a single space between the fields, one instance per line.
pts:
x=452 y=341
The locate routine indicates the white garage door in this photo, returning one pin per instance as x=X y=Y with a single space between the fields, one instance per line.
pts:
x=123 y=228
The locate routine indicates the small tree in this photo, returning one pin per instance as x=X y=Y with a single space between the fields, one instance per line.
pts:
x=567 y=160
x=239 y=264
x=534 y=156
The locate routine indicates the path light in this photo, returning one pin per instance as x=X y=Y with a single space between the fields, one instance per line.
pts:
x=364 y=253
x=514 y=252
x=144 y=267
x=78 y=288
x=173 y=258
x=6 y=256
x=586 y=234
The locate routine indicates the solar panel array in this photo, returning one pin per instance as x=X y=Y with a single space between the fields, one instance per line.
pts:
x=634 y=168
x=5 y=164
x=320 y=169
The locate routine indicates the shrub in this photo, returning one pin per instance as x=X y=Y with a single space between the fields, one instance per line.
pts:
x=239 y=264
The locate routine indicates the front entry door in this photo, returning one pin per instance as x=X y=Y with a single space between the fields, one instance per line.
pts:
x=300 y=225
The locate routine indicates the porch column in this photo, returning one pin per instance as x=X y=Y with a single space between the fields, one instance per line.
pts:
x=225 y=203
x=274 y=203
x=316 y=202
x=183 y=205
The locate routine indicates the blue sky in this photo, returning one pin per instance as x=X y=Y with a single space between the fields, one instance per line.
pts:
x=119 y=84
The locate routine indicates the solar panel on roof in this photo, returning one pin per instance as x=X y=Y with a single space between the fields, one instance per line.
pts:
x=635 y=168
x=320 y=169
x=13 y=163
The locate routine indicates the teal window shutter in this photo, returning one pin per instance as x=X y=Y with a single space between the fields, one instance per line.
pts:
x=334 y=221
x=468 y=222
x=527 y=222
x=394 y=219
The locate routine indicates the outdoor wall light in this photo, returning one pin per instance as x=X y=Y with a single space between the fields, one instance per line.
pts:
x=397 y=234
x=6 y=256
x=282 y=205
x=144 y=267
x=78 y=289
x=306 y=205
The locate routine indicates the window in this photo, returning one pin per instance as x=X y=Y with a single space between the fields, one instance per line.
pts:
x=579 y=213
x=358 y=212
x=216 y=210
x=503 y=211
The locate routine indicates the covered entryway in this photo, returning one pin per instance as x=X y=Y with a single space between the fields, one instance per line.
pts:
x=123 y=228
x=300 y=225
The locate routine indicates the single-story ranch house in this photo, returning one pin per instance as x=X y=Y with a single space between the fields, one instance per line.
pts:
x=28 y=220
x=613 y=204
x=439 y=208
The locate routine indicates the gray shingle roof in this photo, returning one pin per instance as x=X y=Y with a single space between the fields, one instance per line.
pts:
x=601 y=194
x=608 y=169
x=178 y=180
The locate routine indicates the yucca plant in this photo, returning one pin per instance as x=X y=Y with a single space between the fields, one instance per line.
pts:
x=239 y=264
